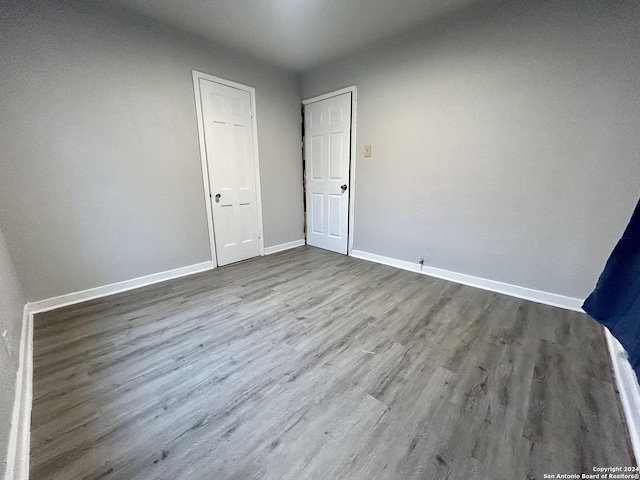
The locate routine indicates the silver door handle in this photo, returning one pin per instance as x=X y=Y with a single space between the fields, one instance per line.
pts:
x=218 y=197
x=344 y=188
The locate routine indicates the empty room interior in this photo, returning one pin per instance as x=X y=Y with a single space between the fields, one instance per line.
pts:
x=311 y=239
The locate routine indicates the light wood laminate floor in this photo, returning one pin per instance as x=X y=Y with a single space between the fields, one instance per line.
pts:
x=312 y=365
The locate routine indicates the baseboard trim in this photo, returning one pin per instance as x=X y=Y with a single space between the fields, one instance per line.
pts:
x=628 y=388
x=106 y=290
x=17 y=463
x=546 y=298
x=284 y=246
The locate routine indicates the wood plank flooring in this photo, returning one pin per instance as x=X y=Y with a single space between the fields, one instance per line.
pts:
x=312 y=365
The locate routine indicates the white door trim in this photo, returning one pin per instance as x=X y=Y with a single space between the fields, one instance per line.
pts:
x=352 y=163
x=203 y=154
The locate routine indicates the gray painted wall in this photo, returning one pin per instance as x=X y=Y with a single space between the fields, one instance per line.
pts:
x=98 y=140
x=505 y=140
x=11 y=305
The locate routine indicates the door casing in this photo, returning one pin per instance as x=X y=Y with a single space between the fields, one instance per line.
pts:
x=352 y=164
x=203 y=155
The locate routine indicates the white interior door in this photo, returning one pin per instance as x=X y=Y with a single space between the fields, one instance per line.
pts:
x=228 y=134
x=327 y=153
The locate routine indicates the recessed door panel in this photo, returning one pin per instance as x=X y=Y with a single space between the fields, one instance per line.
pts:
x=336 y=155
x=335 y=215
x=226 y=226
x=317 y=213
x=247 y=217
x=316 y=153
x=216 y=102
x=315 y=119
x=240 y=157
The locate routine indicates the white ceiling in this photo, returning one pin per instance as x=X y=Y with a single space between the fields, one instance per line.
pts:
x=295 y=34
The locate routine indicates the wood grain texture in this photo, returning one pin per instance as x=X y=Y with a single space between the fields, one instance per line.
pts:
x=309 y=364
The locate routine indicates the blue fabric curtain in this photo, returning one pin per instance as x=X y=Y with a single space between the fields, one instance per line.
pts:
x=615 y=302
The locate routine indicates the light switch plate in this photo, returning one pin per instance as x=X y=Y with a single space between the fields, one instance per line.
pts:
x=367 y=150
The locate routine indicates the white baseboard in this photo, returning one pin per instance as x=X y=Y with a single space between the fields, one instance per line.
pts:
x=104 y=291
x=539 y=296
x=17 y=464
x=284 y=246
x=628 y=388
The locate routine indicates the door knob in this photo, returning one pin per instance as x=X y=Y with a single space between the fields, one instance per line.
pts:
x=344 y=188
x=218 y=197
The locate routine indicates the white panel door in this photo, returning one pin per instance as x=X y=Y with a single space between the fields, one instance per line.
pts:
x=227 y=113
x=327 y=149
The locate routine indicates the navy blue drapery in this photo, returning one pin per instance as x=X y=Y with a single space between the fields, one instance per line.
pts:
x=615 y=302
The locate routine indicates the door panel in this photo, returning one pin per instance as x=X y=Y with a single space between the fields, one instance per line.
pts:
x=335 y=215
x=316 y=155
x=228 y=132
x=317 y=219
x=327 y=150
x=336 y=155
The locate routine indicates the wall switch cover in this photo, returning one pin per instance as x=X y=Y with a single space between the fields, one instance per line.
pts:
x=367 y=150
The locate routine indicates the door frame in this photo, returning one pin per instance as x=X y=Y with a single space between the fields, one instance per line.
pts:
x=352 y=160
x=203 y=155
